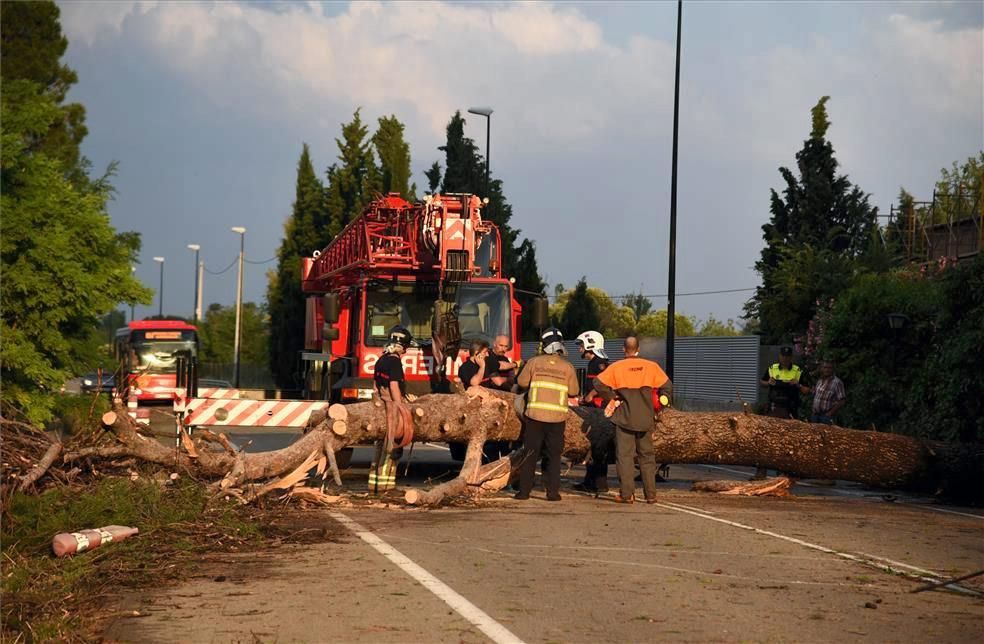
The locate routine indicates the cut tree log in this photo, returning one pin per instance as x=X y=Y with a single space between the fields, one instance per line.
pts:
x=803 y=449
x=768 y=487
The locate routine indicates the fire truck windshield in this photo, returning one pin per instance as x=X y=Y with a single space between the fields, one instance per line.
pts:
x=483 y=312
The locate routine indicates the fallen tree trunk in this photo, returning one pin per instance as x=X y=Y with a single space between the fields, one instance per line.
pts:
x=802 y=449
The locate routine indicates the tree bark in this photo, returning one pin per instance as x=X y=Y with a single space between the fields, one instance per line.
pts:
x=800 y=448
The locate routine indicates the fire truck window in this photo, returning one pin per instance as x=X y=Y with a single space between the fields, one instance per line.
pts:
x=483 y=311
x=397 y=306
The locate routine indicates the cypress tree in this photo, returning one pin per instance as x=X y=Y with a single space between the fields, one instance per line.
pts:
x=285 y=300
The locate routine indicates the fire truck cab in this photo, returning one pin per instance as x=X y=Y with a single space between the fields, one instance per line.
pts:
x=434 y=267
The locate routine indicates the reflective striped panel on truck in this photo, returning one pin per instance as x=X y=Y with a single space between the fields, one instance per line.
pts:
x=250 y=413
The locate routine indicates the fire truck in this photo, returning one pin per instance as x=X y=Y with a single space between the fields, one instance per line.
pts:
x=433 y=267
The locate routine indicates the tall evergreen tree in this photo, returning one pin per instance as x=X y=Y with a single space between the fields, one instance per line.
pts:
x=394 y=158
x=465 y=172
x=354 y=181
x=63 y=265
x=33 y=45
x=819 y=210
x=285 y=299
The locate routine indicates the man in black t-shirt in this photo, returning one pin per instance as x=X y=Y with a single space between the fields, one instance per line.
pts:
x=472 y=371
x=391 y=388
x=501 y=370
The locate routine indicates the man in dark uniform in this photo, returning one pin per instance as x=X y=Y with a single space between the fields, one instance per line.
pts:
x=391 y=388
x=592 y=347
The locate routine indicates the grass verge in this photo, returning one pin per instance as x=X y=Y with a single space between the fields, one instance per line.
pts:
x=44 y=598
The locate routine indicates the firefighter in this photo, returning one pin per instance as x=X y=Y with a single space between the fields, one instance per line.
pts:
x=785 y=383
x=551 y=384
x=592 y=347
x=627 y=388
x=391 y=388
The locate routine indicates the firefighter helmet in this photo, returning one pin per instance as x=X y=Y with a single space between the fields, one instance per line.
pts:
x=399 y=336
x=553 y=341
x=594 y=342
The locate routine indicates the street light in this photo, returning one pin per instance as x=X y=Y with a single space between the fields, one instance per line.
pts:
x=133 y=270
x=198 y=304
x=239 y=303
x=671 y=287
x=487 y=113
x=160 y=293
x=897 y=321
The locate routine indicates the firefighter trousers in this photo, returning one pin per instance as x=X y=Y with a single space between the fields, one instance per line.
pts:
x=536 y=435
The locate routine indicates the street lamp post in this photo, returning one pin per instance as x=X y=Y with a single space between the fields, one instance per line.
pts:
x=160 y=292
x=133 y=270
x=487 y=113
x=197 y=312
x=239 y=303
x=671 y=290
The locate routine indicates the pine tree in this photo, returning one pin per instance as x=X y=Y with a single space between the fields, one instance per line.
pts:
x=352 y=182
x=394 y=158
x=285 y=299
x=820 y=211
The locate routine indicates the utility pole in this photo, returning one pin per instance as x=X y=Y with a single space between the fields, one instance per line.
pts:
x=160 y=292
x=197 y=249
x=239 y=304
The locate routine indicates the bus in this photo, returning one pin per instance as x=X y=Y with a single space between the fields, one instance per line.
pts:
x=148 y=351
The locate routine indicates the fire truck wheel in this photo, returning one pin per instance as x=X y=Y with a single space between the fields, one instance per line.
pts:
x=344 y=457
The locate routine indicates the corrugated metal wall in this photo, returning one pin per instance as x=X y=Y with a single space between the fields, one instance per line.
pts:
x=717 y=369
x=708 y=369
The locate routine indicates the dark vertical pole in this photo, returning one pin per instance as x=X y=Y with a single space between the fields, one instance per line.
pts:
x=488 y=160
x=671 y=287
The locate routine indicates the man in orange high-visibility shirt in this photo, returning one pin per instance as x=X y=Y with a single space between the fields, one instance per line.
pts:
x=631 y=382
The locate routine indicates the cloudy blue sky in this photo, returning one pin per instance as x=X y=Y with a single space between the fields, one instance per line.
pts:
x=206 y=106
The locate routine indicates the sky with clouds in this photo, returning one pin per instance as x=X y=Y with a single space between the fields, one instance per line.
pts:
x=206 y=107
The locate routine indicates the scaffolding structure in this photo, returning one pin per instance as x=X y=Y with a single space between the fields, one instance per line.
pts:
x=948 y=227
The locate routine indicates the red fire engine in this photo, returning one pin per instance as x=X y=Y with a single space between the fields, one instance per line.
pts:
x=434 y=267
x=149 y=350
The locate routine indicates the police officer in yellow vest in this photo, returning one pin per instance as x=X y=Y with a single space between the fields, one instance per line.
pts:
x=785 y=383
x=551 y=383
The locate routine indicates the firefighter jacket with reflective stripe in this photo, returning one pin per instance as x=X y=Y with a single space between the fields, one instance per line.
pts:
x=551 y=380
x=632 y=381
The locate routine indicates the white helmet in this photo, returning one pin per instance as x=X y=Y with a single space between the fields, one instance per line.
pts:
x=594 y=342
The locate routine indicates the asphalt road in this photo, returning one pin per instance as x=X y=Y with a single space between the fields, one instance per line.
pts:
x=828 y=564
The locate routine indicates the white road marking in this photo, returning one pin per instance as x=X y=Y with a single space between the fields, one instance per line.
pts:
x=492 y=629
x=932 y=577
x=833 y=490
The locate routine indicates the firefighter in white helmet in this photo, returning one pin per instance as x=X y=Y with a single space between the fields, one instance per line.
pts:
x=592 y=347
